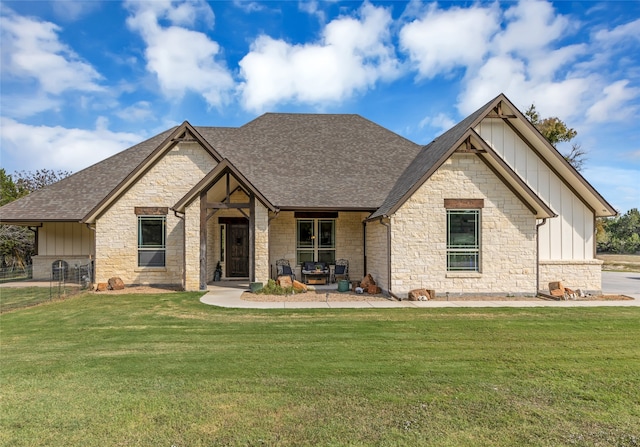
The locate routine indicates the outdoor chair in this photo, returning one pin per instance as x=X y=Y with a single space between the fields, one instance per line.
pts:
x=283 y=268
x=341 y=270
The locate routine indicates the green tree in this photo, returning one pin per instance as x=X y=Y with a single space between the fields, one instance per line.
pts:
x=17 y=244
x=556 y=131
x=622 y=233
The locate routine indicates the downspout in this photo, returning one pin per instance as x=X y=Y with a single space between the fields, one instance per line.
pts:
x=389 y=256
x=364 y=246
x=184 y=243
x=544 y=221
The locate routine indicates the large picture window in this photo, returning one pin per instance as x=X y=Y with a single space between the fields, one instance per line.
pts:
x=463 y=240
x=316 y=240
x=152 y=241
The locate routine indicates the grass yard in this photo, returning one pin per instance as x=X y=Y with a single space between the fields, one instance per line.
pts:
x=165 y=370
x=620 y=263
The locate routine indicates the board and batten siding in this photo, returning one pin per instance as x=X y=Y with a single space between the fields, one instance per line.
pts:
x=65 y=239
x=570 y=236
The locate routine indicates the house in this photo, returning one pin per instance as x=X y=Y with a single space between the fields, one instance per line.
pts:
x=488 y=207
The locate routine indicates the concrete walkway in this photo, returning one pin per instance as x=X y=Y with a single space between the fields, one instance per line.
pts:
x=227 y=294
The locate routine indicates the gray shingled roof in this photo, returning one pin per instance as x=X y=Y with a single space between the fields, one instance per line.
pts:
x=73 y=197
x=316 y=161
x=429 y=158
x=295 y=160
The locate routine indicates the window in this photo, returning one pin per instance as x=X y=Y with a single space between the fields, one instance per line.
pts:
x=152 y=241
x=316 y=240
x=223 y=240
x=463 y=240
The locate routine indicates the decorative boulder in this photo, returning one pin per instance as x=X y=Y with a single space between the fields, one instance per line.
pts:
x=284 y=281
x=299 y=287
x=367 y=281
x=101 y=287
x=115 y=283
x=373 y=289
x=417 y=294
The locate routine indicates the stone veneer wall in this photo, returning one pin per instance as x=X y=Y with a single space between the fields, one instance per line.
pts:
x=261 y=237
x=378 y=254
x=583 y=275
x=163 y=185
x=349 y=238
x=192 y=246
x=508 y=235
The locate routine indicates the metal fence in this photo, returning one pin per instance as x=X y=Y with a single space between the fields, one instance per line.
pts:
x=8 y=274
x=17 y=290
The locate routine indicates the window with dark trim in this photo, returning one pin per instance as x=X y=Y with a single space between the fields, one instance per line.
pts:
x=315 y=240
x=152 y=233
x=463 y=240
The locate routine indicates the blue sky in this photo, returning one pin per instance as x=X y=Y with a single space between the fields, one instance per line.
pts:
x=81 y=81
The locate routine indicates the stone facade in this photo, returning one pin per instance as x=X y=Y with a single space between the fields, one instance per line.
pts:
x=261 y=236
x=508 y=235
x=580 y=274
x=378 y=254
x=166 y=182
x=349 y=238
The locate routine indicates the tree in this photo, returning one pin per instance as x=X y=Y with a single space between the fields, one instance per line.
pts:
x=17 y=244
x=556 y=131
x=622 y=233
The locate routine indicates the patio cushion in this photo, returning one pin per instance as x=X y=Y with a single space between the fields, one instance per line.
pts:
x=340 y=269
x=309 y=266
x=286 y=270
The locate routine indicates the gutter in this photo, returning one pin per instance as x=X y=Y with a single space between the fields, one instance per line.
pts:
x=544 y=221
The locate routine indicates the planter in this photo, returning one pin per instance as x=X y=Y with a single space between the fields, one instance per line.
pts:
x=343 y=285
x=255 y=286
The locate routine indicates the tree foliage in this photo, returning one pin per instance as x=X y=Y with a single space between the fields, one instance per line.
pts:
x=17 y=244
x=619 y=234
x=556 y=131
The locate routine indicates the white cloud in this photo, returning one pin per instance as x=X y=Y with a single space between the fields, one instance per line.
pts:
x=441 y=122
x=182 y=59
x=613 y=105
x=139 y=111
x=531 y=27
x=23 y=106
x=248 y=6
x=69 y=10
x=628 y=31
x=31 y=50
x=352 y=55
x=35 y=147
x=442 y=40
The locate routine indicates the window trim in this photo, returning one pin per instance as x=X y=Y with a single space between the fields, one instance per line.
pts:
x=315 y=248
x=159 y=248
x=474 y=250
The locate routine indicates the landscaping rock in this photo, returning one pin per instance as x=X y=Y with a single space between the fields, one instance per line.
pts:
x=299 y=287
x=115 y=283
x=373 y=289
x=284 y=281
x=101 y=287
x=367 y=281
x=421 y=295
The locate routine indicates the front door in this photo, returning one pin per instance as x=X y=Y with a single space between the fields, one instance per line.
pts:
x=237 y=250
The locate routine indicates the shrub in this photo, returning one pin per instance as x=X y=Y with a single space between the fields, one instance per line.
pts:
x=274 y=289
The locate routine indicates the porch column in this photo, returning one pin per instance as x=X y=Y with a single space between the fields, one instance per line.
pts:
x=192 y=246
x=260 y=215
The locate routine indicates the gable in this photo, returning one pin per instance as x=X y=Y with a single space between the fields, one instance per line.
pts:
x=503 y=111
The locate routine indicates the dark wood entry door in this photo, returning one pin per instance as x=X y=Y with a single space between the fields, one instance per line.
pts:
x=237 y=250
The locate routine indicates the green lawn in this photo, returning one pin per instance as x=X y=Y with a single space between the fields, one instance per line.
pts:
x=165 y=370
